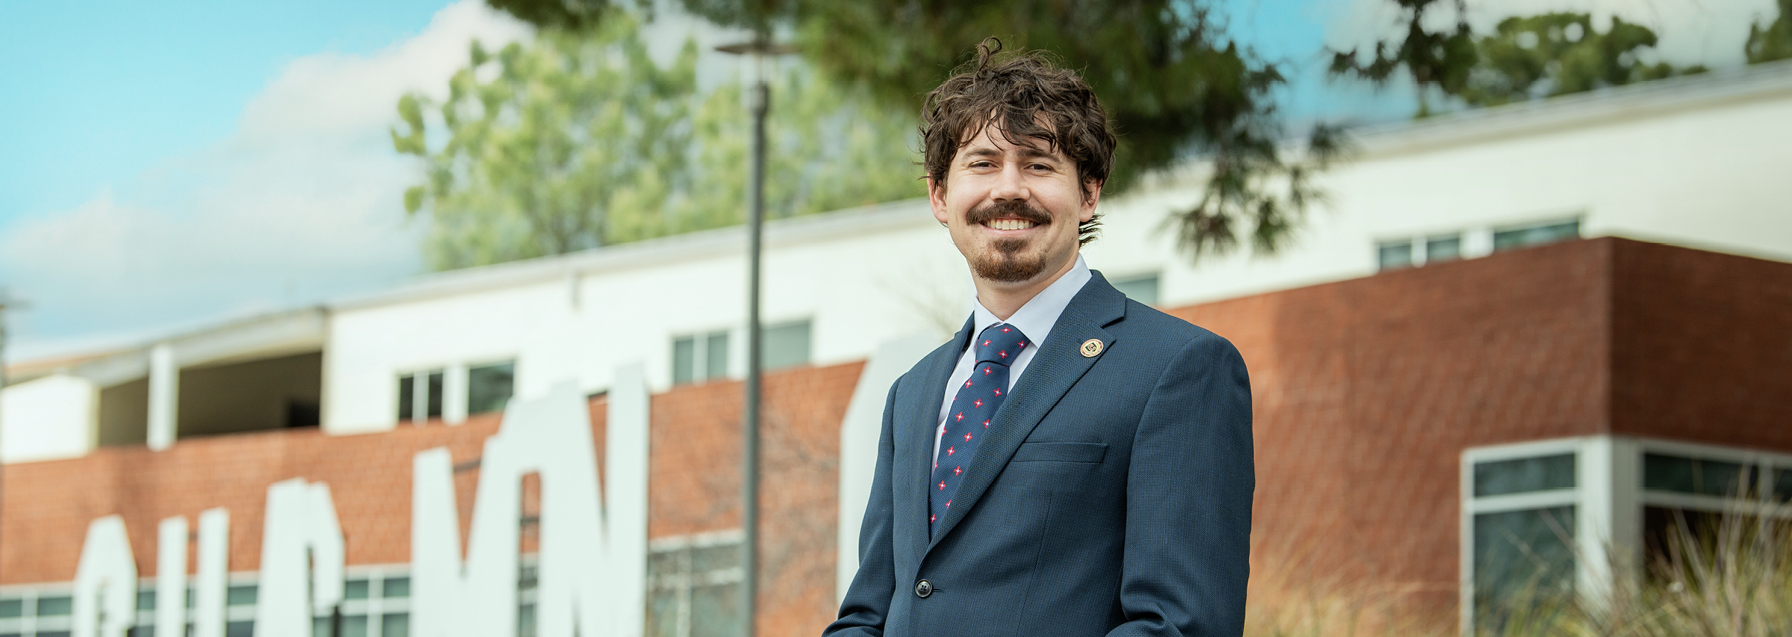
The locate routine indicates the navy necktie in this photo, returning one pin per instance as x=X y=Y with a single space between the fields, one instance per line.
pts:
x=976 y=403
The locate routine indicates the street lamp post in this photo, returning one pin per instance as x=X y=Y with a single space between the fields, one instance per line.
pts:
x=759 y=102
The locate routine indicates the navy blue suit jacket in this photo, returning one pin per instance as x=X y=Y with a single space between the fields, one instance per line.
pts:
x=1112 y=496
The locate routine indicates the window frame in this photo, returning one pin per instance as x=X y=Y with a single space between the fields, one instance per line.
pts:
x=700 y=350
x=420 y=394
x=765 y=329
x=1418 y=249
x=28 y=622
x=1761 y=505
x=1584 y=496
x=683 y=583
x=376 y=605
x=467 y=400
x=1608 y=497
x=1579 y=222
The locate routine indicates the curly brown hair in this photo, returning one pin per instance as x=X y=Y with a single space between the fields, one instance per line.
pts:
x=1014 y=91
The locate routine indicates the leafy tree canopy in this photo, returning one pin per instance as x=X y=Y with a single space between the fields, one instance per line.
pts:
x=1557 y=54
x=1771 y=42
x=1173 y=85
x=1524 y=58
x=556 y=146
x=828 y=147
x=579 y=139
x=559 y=14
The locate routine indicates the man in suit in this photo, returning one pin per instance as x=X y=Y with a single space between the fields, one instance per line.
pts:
x=1072 y=462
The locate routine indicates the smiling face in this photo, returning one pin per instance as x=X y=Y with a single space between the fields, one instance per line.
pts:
x=1013 y=209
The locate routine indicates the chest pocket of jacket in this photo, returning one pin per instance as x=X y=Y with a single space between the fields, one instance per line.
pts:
x=1088 y=452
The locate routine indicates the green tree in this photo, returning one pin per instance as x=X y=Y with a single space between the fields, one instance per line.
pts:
x=575 y=140
x=1774 y=41
x=1173 y=85
x=579 y=139
x=1557 y=54
x=574 y=15
x=1437 y=61
x=1524 y=58
x=828 y=147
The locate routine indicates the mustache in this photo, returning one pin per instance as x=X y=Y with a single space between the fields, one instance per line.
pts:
x=1010 y=208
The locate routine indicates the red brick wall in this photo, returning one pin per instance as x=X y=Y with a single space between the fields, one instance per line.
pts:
x=696 y=486
x=1702 y=347
x=1367 y=390
x=47 y=505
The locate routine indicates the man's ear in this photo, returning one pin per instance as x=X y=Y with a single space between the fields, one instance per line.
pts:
x=936 y=196
x=1091 y=196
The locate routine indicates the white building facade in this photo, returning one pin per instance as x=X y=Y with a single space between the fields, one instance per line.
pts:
x=1694 y=161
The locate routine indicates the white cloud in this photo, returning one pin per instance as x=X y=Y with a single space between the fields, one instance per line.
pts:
x=303 y=201
x=1709 y=32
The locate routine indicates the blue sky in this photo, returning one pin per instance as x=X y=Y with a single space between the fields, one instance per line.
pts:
x=106 y=90
x=171 y=164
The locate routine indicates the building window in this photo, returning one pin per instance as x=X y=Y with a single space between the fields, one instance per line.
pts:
x=1139 y=288
x=1444 y=248
x=375 y=603
x=239 y=608
x=489 y=387
x=786 y=344
x=407 y=394
x=1535 y=234
x=1406 y=253
x=1540 y=518
x=1519 y=528
x=37 y=612
x=1393 y=255
x=699 y=357
x=1689 y=490
x=420 y=395
x=693 y=586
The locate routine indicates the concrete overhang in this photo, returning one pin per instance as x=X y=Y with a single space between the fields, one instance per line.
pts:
x=254 y=338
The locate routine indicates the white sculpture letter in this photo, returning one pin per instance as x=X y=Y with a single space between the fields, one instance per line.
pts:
x=171 y=577
x=301 y=559
x=592 y=565
x=105 y=581
x=214 y=564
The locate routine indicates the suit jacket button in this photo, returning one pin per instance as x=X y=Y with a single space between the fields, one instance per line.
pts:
x=923 y=588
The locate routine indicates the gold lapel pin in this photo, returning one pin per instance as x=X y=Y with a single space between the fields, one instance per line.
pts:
x=1091 y=348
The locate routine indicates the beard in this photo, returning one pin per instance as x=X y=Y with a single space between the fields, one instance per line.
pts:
x=1003 y=261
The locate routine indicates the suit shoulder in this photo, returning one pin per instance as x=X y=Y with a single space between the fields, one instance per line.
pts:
x=1150 y=322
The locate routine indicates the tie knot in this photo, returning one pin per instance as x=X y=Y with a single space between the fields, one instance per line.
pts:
x=1000 y=343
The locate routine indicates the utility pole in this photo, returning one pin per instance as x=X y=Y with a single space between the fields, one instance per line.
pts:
x=6 y=302
x=759 y=102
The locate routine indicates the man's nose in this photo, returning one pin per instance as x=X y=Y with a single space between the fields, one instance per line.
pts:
x=1010 y=184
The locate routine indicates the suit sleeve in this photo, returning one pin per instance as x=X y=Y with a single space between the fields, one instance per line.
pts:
x=1189 y=489
x=867 y=602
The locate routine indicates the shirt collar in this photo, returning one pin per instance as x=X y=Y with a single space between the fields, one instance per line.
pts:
x=1036 y=318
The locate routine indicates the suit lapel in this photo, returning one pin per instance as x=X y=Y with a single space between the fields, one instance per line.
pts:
x=1055 y=368
x=921 y=420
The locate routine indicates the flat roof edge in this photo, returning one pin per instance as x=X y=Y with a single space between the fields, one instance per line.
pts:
x=657 y=251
